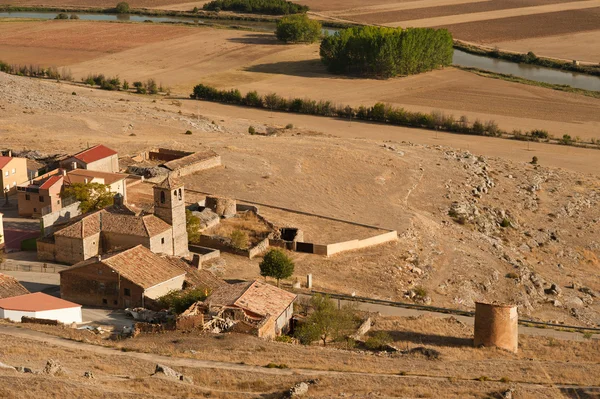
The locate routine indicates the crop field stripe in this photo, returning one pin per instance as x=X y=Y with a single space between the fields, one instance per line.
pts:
x=491 y=15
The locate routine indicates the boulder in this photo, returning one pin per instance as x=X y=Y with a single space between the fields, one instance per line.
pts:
x=52 y=367
x=299 y=389
x=170 y=373
x=88 y=374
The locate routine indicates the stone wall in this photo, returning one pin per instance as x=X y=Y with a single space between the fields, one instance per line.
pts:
x=46 y=251
x=197 y=167
x=49 y=221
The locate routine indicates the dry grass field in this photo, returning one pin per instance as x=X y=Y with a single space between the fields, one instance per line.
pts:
x=330 y=167
x=181 y=57
x=542 y=368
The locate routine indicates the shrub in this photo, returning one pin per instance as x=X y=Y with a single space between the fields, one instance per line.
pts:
x=566 y=139
x=271 y=7
x=385 y=52
x=73 y=94
x=298 y=29
x=276 y=366
x=512 y=275
x=74 y=16
x=122 y=8
x=188 y=132
x=251 y=130
x=378 y=340
x=151 y=87
x=239 y=239
x=539 y=134
x=420 y=292
x=62 y=15
x=195 y=10
x=284 y=338
x=180 y=301
x=505 y=223
x=289 y=126
x=125 y=85
x=534 y=160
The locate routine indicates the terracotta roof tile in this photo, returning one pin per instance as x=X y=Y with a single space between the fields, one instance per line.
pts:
x=257 y=297
x=85 y=226
x=9 y=286
x=52 y=180
x=109 y=178
x=169 y=183
x=94 y=154
x=35 y=302
x=138 y=265
x=202 y=278
x=4 y=161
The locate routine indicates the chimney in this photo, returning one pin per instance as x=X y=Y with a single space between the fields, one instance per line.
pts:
x=73 y=165
x=118 y=200
x=64 y=172
x=10 y=153
x=99 y=257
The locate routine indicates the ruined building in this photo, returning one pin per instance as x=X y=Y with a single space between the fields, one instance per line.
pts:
x=120 y=227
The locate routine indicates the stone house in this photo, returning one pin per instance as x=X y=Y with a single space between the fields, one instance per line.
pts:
x=99 y=158
x=40 y=197
x=114 y=181
x=265 y=309
x=13 y=171
x=120 y=227
x=9 y=287
x=129 y=278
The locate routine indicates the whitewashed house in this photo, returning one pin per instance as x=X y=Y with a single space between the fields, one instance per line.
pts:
x=40 y=306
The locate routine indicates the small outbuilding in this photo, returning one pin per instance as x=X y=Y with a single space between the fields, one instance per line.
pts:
x=40 y=306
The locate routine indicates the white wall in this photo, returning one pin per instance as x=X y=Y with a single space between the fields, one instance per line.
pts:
x=66 y=316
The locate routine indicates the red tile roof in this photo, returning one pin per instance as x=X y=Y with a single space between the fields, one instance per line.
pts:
x=36 y=302
x=4 y=161
x=109 y=178
x=94 y=154
x=50 y=182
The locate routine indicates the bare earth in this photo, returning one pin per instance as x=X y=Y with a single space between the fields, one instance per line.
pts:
x=181 y=57
x=329 y=167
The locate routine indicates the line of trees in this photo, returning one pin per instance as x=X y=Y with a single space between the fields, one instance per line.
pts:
x=379 y=112
x=36 y=71
x=298 y=29
x=386 y=52
x=270 y=7
x=114 y=83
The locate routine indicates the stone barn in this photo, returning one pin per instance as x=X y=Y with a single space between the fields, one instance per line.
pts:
x=99 y=158
x=123 y=279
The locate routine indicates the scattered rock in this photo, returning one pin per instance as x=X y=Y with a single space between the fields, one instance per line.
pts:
x=88 y=374
x=6 y=366
x=52 y=367
x=430 y=354
x=299 y=389
x=508 y=394
x=553 y=290
x=170 y=373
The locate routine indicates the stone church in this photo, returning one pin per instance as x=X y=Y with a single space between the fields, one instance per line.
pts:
x=119 y=227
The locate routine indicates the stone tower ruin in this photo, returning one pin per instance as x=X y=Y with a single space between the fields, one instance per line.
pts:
x=496 y=325
x=169 y=205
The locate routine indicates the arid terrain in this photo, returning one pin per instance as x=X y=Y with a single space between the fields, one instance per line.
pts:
x=552 y=208
x=181 y=57
x=232 y=365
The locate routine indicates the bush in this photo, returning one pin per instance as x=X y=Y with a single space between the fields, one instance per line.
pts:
x=566 y=139
x=289 y=126
x=385 y=52
x=151 y=87
x=512 y=275
x=378 y=340
x=505 y=223
x=239 y=239
x=188 y=132
x=180 y=301
x=276 y=366
x=195 y=10
x=298 y=29
x=251 y=130
x=271 y=7
x=539 y=134
x=125 y=85
x=62 y=15
x=534 y=160
x=74 y=16
x=284 y=338
x=122 y=8
x=420 y=292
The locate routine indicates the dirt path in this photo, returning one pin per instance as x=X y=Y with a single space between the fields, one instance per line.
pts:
x=484 y=16
x=197 y=363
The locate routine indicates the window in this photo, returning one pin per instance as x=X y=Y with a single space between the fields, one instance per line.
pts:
x=127 y=292
x=104 y=301
x=179 y=194
x=27 y=197
x=115 y=302
x=35 y=209
x=162 y=197
x=41 y=198
x=14 y=171
x=101 y=286
x=162 y=240
x=58 y=202
x=6 y=173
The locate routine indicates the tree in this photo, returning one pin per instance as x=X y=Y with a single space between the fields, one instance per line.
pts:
x=93 y=196
x=276 y=264
x=326 y=321
x=122 y=8
x=192 y=225
x=239 y=239
x=298 y=29
x=180 y=301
